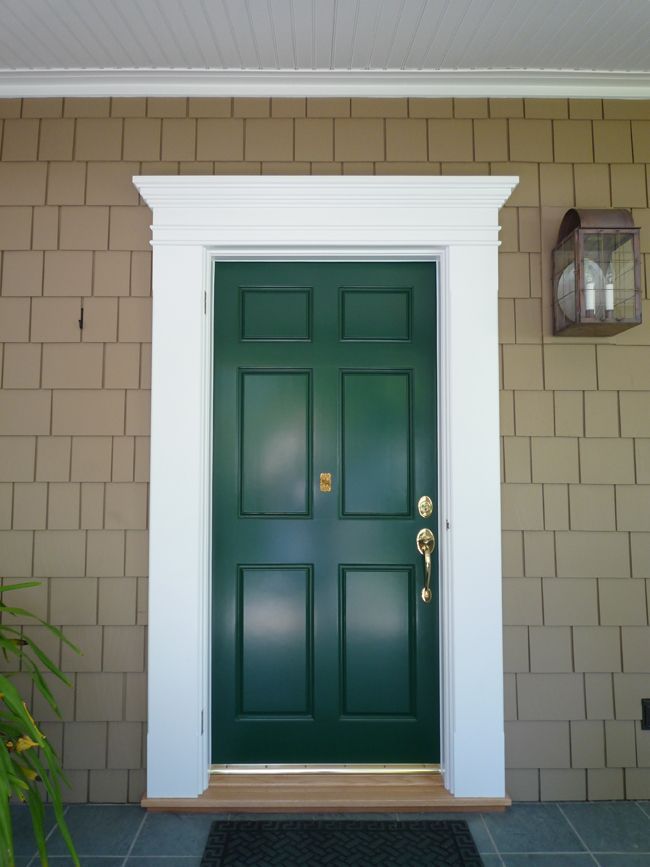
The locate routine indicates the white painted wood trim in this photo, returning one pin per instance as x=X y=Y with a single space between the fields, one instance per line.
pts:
x=503 y=83
x=450 y=220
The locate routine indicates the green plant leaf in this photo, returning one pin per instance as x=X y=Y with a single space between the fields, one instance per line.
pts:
x=37 y=812
x=29 y=766
x=6 y=829
x=43 y=688
x=45 y=659
x=48 y=778
x=9 y=646
x=23 y=584
x=22 y=613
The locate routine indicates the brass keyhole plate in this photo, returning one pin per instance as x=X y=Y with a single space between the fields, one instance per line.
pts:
x=425 y=507
x=325 y=483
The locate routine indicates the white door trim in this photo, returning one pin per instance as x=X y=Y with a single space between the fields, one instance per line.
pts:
x=453 y=220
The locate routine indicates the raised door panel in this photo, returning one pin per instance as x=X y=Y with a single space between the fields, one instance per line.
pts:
x=275 y=645
x=377 y=629
x=376 y=437
x=275 y=430
x=275 y=313
x=375 y=314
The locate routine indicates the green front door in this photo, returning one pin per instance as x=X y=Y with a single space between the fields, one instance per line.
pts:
x=323 y=650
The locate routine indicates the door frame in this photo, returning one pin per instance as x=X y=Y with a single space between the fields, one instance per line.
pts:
x=450 y=220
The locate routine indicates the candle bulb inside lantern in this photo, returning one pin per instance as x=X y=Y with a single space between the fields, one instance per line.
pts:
x=609 y=290
x=590 y=297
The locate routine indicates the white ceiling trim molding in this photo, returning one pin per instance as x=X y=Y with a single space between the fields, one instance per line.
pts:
x=504 y=83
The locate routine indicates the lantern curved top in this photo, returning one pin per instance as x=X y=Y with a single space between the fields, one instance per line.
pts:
x=594 y=218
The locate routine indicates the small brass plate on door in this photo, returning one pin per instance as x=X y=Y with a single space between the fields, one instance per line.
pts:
x=425 y=507
x=326 y=483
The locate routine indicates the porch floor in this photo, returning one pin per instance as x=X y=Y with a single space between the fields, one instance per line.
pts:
x=606 y=833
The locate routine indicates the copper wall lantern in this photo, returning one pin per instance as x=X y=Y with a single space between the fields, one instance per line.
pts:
x=596 y=274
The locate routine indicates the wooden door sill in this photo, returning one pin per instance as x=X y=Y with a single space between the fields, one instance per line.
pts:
x=326 y=793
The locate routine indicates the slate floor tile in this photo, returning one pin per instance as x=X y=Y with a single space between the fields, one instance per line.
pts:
x=532 y=828
x=93 y=861
x=173 y=834
x=629 y=859
x=491 y=860
x=610 y=826
x=555 y=859
x=24 y=842
x=99 y=830
x=158 y=861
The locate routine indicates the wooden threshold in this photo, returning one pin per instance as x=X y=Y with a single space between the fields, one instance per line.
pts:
x=326 y=793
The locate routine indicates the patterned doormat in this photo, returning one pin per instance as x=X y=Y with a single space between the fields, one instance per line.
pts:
x=336 y=843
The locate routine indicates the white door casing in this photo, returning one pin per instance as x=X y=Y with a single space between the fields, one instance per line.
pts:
x=452 y=220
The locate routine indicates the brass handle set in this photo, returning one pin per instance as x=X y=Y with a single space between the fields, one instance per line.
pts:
x=426 y=544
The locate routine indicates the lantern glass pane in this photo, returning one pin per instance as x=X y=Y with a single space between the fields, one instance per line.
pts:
x=623 y=273
x=608 y=268
x=565 y=280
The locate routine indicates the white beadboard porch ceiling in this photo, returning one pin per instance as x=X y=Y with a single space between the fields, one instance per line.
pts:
x=325 y=47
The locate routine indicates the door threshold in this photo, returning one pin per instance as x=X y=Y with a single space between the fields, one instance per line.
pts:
x=325 y=769
x=282 y=792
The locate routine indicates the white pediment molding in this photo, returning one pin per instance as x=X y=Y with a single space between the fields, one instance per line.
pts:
x=312 y=210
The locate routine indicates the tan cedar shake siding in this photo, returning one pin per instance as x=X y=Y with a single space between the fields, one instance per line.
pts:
x=74 y=405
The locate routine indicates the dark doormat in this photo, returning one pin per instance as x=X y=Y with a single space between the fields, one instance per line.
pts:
x=336 y=843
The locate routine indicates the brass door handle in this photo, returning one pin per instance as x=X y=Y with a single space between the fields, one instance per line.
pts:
x=426 y=544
